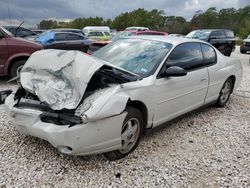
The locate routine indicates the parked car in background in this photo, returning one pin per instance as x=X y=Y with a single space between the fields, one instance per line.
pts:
x=175 y=35
x=64 y=41
x=99 y=35
x=88 y=29
x=245 y=47
x=222 y=39
x=20 y=31
x=123 y=34
x=14 y=52
x=78 y=31
x=96 y=45
x=137 y=28
x=38 y=31
x=127 y=33
x=103 y=103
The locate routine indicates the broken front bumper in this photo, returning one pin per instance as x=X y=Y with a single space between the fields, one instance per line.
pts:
x=91 y=138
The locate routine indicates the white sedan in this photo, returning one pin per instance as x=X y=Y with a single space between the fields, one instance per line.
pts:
x=86 y=104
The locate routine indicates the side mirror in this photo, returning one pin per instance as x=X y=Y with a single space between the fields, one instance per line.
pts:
x=175 y=71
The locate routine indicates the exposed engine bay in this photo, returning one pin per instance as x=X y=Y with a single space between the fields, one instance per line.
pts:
x=60 y=91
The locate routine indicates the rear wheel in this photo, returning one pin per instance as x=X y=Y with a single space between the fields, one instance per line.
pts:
x=228 y=51
x=131 y=133
x=16 y=68
x=225 y=93
x=242 y=51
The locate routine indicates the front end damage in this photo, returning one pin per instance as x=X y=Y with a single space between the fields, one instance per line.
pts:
x=71 y=100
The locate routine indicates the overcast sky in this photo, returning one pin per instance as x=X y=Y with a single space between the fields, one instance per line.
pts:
x=33 y=11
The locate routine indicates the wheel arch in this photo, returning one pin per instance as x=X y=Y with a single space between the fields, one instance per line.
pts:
x=140 y=106
x=15 y=59
x=233 y=78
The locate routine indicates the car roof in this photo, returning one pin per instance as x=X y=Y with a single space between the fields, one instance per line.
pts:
x=168 y=39
x=69 y=29
x=210 y=30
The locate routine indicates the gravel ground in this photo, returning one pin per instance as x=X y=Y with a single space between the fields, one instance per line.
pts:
x=208 y=148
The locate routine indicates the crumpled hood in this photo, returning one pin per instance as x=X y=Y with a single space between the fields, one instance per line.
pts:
x=58 y=78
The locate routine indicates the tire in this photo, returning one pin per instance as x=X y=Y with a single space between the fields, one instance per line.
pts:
x=225 y=93
x=242 y=51
x=134 y=116
x=16 y=67
x=228 y=52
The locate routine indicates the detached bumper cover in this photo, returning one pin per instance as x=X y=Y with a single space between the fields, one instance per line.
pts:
x=82 y=139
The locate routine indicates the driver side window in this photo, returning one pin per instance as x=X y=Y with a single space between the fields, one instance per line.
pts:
x=187 y=56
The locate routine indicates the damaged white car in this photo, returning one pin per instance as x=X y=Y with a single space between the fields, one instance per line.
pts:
x=102 y=104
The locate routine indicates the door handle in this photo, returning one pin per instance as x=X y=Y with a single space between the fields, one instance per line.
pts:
x=203 y=79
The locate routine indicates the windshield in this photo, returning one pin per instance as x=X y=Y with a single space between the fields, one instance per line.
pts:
x=7 y=32
x=248 y=37
x=138 y=56
x=198 y=35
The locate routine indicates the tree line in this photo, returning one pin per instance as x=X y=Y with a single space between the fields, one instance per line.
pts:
x=237 y=20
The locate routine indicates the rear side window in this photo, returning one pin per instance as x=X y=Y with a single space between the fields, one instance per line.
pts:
x=95 y=34
x=107 y=33
x=61 y=37
x=75 y=37
x=209 y=54
x=187 y=56
x=230 y=34
x=218 y=34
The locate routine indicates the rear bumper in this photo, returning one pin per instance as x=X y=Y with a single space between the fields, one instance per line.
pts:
x=82 y=139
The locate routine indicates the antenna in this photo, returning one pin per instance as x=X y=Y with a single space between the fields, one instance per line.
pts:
x=9 y=10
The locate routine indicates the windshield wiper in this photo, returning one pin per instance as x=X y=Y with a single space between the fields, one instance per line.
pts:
x=123 y=75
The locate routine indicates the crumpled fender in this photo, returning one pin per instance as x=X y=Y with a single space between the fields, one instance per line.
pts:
x=110 y=103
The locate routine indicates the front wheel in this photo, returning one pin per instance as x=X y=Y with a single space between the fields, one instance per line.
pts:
x=131 y=133
x=16 y=68
x=225 y=93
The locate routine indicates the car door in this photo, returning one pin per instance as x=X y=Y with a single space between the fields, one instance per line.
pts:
x=76 y=42
x=4 y=52
x=177 y=95
x=60 y=42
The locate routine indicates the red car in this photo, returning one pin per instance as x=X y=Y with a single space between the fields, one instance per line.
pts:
x=14 y=52
x=99 y=44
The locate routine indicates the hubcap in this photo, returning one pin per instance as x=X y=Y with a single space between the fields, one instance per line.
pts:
x=225 y=92
x=130 y=134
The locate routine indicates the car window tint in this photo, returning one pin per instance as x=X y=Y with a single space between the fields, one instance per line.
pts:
x=95 y=34
x=26 y=32
x=214 y=34
x=75 y=37
x=61 y=37
x=99 y=34
x=209 y=54
x=221 y=34
x=188 y=56
x=229 y=33
x=107 y=33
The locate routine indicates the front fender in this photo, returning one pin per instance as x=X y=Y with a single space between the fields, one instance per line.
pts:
x=109 y=103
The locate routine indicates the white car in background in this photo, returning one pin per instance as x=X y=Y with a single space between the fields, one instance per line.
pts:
x=102 y=104
x=137 y=28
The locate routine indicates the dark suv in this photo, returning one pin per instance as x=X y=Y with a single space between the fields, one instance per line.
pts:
x=222 y=39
